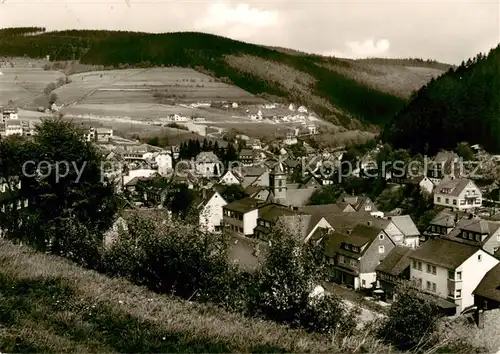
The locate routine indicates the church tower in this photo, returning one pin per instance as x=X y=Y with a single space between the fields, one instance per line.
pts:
x=277 y=184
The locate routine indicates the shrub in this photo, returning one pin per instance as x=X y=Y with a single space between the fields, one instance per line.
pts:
x=285 y=282
x=412 y=320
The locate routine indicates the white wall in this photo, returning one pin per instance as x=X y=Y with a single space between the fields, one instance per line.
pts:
x=395 y=234
x=440 y=278
x=250 y=221
x=211 y=215
x=229 y=178
x=323 y=224
x=473 y=272
x=369 y=279
x=164 y=162
x=138 y=173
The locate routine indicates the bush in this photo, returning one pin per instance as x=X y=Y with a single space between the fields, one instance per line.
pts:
x=412 y=320
x=285 y=282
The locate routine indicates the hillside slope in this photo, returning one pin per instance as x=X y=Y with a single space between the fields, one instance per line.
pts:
x=462 y=105
x=48 y=304
x=331 y=87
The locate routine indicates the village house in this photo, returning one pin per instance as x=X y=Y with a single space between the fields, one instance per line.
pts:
x=442 y=224
x=231 y=177
x=13 y=127
x=450 y=270
x=487 y=292
x=11 y=197
x=355 y=256
x=393 y=271
x=164 y=163
x=359 y=203
x=445 y=164
x=477 y=232
x=423 y=182
x=247 y=157
x=207 y=164
x=255 y=176
x=211 y=211
x=240 y=217
x=411 y=235
x=8 y=112
x=299 y=225
x=103 y=135
x=459 y=194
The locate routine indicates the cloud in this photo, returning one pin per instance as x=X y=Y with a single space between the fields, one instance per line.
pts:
x=362 y=49
x=224 y=14
x=238 y=20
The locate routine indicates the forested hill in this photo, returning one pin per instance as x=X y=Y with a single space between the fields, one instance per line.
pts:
x=345 y=92
x=462 y=105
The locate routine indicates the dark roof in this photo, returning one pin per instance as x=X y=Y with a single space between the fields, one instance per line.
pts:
x=489 y=287
x=445 y=253
x=332 y=243
x=325 y=209
x=271 y=212
x=474 y=225
x=447 y=218
x=396 y=261
x=360 y=236
x=456 y=186
x=245 y=205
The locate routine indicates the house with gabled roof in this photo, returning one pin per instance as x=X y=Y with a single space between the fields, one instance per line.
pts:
x=487 y=292
x=423 y=182
x=459 y=194
x=411 y=235
x=451 y=271
x=442 y=224
x=393 y=271
x=445 y=164
x=207 y=164
x=477 y=232
x=240 y=217
x=359 y=203
x=231 y=177
x=211 y=211
x=298 y=224
x=354 y=256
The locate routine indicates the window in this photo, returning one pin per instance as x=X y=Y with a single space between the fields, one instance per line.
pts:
x=462 y=202
x=433 y=228
x=381 y=249
x=341 y=259
x=429 y=285
x=451 y=275
x=428 y=268
x=439 y=199
x=454 y=202
x=434 y=287
x=363 y=283
x=447 y=201
x=419 y=265
x=414 y=264
x=381 y=236
x=353 y=263
x=368 y=208
x=479 y=258
x=459 y=293
x=433 y=270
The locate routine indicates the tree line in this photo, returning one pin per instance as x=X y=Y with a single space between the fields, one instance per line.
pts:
x=461 y=105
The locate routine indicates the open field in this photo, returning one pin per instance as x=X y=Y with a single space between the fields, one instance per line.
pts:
x=23 y=85
x=148 y=86
x=50 y=305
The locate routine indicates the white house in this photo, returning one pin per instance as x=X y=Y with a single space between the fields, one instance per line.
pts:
x=450 y=270
x=211 y=212
x=142 y=172
x=207 y=164
x=291 y=107
x=234 y=105
x=230 y=177
x=164 y=162
x=13 y=127
x=302 y=109
x=460 y=194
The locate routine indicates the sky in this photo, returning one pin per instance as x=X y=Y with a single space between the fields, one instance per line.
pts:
x=445 y=30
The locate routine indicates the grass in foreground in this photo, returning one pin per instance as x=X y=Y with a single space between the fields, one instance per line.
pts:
x=48 y=304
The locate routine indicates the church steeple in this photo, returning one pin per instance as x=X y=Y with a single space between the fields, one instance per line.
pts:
x=277 y=183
